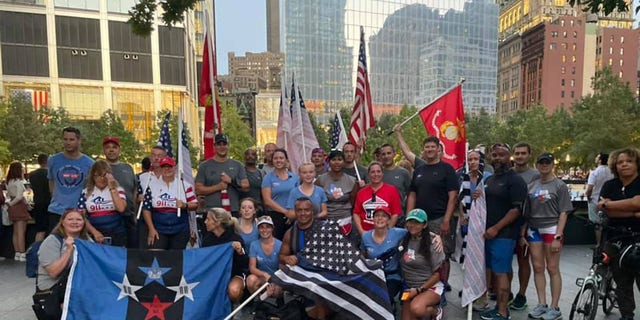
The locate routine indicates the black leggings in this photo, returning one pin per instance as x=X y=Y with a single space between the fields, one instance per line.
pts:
x=176 y=241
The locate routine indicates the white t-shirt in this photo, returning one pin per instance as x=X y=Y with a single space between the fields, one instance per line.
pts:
x=597 y=178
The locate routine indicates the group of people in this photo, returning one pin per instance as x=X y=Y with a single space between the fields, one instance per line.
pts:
x=404 y=217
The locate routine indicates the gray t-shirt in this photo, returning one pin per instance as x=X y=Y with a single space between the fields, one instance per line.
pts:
x=528 y=175
x=547 y=200
x=398 y=177
x=597 y=178
x=209 y=174
x=255 y=186
x=123 y=173
x=415 y=267
x=338 y=194
x=362 y=170
x=51 y=249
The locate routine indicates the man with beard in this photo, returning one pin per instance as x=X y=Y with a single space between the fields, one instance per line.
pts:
x=254 y=175
x=350 y=164
x=67 y=175
x=267 y=164
x=220 y=175
x=396 y=176
x=505 y=193
x=123 y=173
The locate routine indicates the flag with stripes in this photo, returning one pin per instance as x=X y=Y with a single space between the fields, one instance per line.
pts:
x=338 y=135
x=474 y=282
x=164 y=140
x=330 y=269
x=284 y=120
x=362 y=116
x=303 y=139
x=185 y=168
x=38 y=98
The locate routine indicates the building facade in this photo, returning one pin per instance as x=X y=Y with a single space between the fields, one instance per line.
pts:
x=255 y=71
x=82 y=56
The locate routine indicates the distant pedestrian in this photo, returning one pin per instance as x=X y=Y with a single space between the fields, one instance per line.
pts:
x=41 y=196
x=18 y=209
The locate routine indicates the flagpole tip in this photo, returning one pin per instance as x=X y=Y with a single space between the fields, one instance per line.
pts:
x=462 y=80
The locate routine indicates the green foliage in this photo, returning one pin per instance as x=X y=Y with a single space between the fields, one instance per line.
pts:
x=321 y=132
x=5 y=154
x=606 y=6
x=143 y=13
x=21 y=130
x=240 y=138
x=194 y=152
x=109 y=124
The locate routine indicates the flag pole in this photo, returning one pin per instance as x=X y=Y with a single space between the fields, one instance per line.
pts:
x=251 y=297
x=462 y=80
x=143 y=192
x=180 y=169
x=343 y=132
x=214 y=86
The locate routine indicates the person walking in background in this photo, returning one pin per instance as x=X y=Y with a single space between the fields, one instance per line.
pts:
x=597 y=178
x=41 y=196
x=18 y=209
x=68 y=172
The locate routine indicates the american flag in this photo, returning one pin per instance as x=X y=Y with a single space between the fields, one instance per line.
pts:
x=37 y=98
x=284 y=120
x=165 y=137
x=474 y=282
x=338 y=135
x=330 y=268
x=362 y=116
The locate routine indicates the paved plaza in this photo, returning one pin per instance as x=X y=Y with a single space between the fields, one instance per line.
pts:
x=16 y=289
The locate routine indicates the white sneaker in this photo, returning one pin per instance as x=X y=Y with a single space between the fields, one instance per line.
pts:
x=16 y=257
x=23 y=257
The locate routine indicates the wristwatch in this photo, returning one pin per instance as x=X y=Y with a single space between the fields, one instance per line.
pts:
x=558 y=237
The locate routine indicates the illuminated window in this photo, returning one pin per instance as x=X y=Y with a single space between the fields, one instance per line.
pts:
x=564 y=58
x=135 y=108
x=85 y=103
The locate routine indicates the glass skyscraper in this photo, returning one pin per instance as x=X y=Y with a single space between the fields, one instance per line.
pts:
x=416 y=50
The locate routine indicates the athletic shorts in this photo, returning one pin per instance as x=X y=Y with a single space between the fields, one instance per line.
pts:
x=448 y=243
x=544 y=235
x=499 y=254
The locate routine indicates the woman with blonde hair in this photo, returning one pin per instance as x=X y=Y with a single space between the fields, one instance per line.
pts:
x=18 y=209
x=222 y=227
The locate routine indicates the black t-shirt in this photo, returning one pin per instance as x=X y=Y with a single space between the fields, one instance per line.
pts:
x=240 y=262
x=432 y=183
x=40 y=186
x=503 y=193
x=613 y=190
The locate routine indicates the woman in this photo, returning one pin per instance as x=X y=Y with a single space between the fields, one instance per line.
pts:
x=625 y=166
x=307 y=189
x=263 y=258
x=276 y=186
x=376 y=194
x=543 y=232
x=340 y=189
x=18 y=209
x=221 y=227
x=420 y=263
x=247 y=228
x=103 y=201
x=162 y=200
x=56 y=252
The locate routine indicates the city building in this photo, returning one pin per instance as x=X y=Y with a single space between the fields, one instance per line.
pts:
x=82 y=56
x=255 y=71
x=273 y=25
x=406 y=45
x=617 y=49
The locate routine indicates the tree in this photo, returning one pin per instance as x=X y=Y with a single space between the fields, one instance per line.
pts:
x=5 y=154
x=143 y=13
x=606 y=6
x=481 y=128
x=109 y=124
x=21 y=130
x=240 y=138
x=53 y=120
x=321 y=133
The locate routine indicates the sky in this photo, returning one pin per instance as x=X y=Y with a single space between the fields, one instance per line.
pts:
x=241 y=27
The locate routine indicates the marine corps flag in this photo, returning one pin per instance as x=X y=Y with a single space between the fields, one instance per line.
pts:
x=444 y=118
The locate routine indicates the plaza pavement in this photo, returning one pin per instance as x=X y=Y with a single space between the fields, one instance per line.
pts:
x=16 y=289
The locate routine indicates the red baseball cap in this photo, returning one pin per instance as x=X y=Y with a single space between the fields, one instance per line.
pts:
x=113 y=140
x=167 y=161
x=384 y=209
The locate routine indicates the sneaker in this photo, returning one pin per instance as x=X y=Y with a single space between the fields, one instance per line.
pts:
x=447 y=287
x=439 y=314
x=480 y=304
x=489 y=314
x=552 y=314
x=518 y=303
x=23 y=257
x=538 y=311
x=17 y=256
x=501 y=317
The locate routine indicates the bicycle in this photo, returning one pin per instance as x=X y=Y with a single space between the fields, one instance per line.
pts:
x=598 y=284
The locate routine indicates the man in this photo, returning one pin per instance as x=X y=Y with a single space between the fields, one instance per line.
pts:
x=267 y=165
x=254 y=176
x=41 y=196
x=350 y=165
x=434 y=189
x=154 y=172
x=505 y=193
x=317 y=158
x=124 y=175
x=67 y=175
x=597 y=178
x=521 y=157
x=394 y=175
x=220 y=175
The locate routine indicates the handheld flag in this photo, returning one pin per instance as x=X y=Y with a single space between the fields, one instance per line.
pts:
x=362 y=115
x=303 y=139
x=284 y=121
x=474 y=283
x=338 y=135
x=164 y=140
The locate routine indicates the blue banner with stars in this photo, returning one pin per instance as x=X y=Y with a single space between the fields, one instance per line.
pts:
x=108 y=282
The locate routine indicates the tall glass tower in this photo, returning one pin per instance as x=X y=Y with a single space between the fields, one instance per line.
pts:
x=416 y=50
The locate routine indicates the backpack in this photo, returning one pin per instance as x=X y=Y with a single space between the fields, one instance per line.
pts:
x=31 y=267
x=292 y=310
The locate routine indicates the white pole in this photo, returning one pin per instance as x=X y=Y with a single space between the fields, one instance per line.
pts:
x=469 y=311
x=264 y=286
x=144 y=190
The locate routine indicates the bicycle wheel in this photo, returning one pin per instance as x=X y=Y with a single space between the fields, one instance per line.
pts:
x=609 y=299
x=585 y=305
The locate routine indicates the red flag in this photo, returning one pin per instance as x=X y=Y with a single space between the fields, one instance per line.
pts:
x=444 y=118
x=208 y=94
x=362 y=116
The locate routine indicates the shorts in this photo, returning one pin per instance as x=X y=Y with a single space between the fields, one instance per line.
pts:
x=544 y=235
x=448 y=243
x=499 y=254
x=39 y=214
x=593 y=213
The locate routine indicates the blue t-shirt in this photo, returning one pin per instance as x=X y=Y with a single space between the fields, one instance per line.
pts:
x=69 y=177
x=280 y=188
x=318 y=197
x=250 y=237
x=266 y=263
x=374 y=250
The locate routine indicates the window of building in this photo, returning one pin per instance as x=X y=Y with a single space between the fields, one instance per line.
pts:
x=575 y=34
x=573 y=94
x=573 y=58
x=621 y=62
x=622 y=39
x=573 y=82
x=78 y=4
x=573 y=47
x=552 y=46
x=564 y=58
x=562 y=23
x=562 y=94
x=620 y=74
x=572 y=22
x=23 y=41
x=562 y=82
x=121 y=6
x=564 y=45
x=621 y=51
x=563 y=70
x=610 y=50
x=83 y=102
x=611 y=39
x=573 y=70
x=135 y=108
x=610 y=62
x=564 y=34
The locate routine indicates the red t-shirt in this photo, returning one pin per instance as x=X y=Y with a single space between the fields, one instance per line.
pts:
x=386 y=196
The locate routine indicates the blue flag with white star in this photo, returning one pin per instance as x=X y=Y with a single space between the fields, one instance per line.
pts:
x=164 y=140
x=108 y=282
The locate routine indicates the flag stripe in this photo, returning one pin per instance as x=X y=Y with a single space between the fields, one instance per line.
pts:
x=164 y=140
x=362 y=114
x=474 y=282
